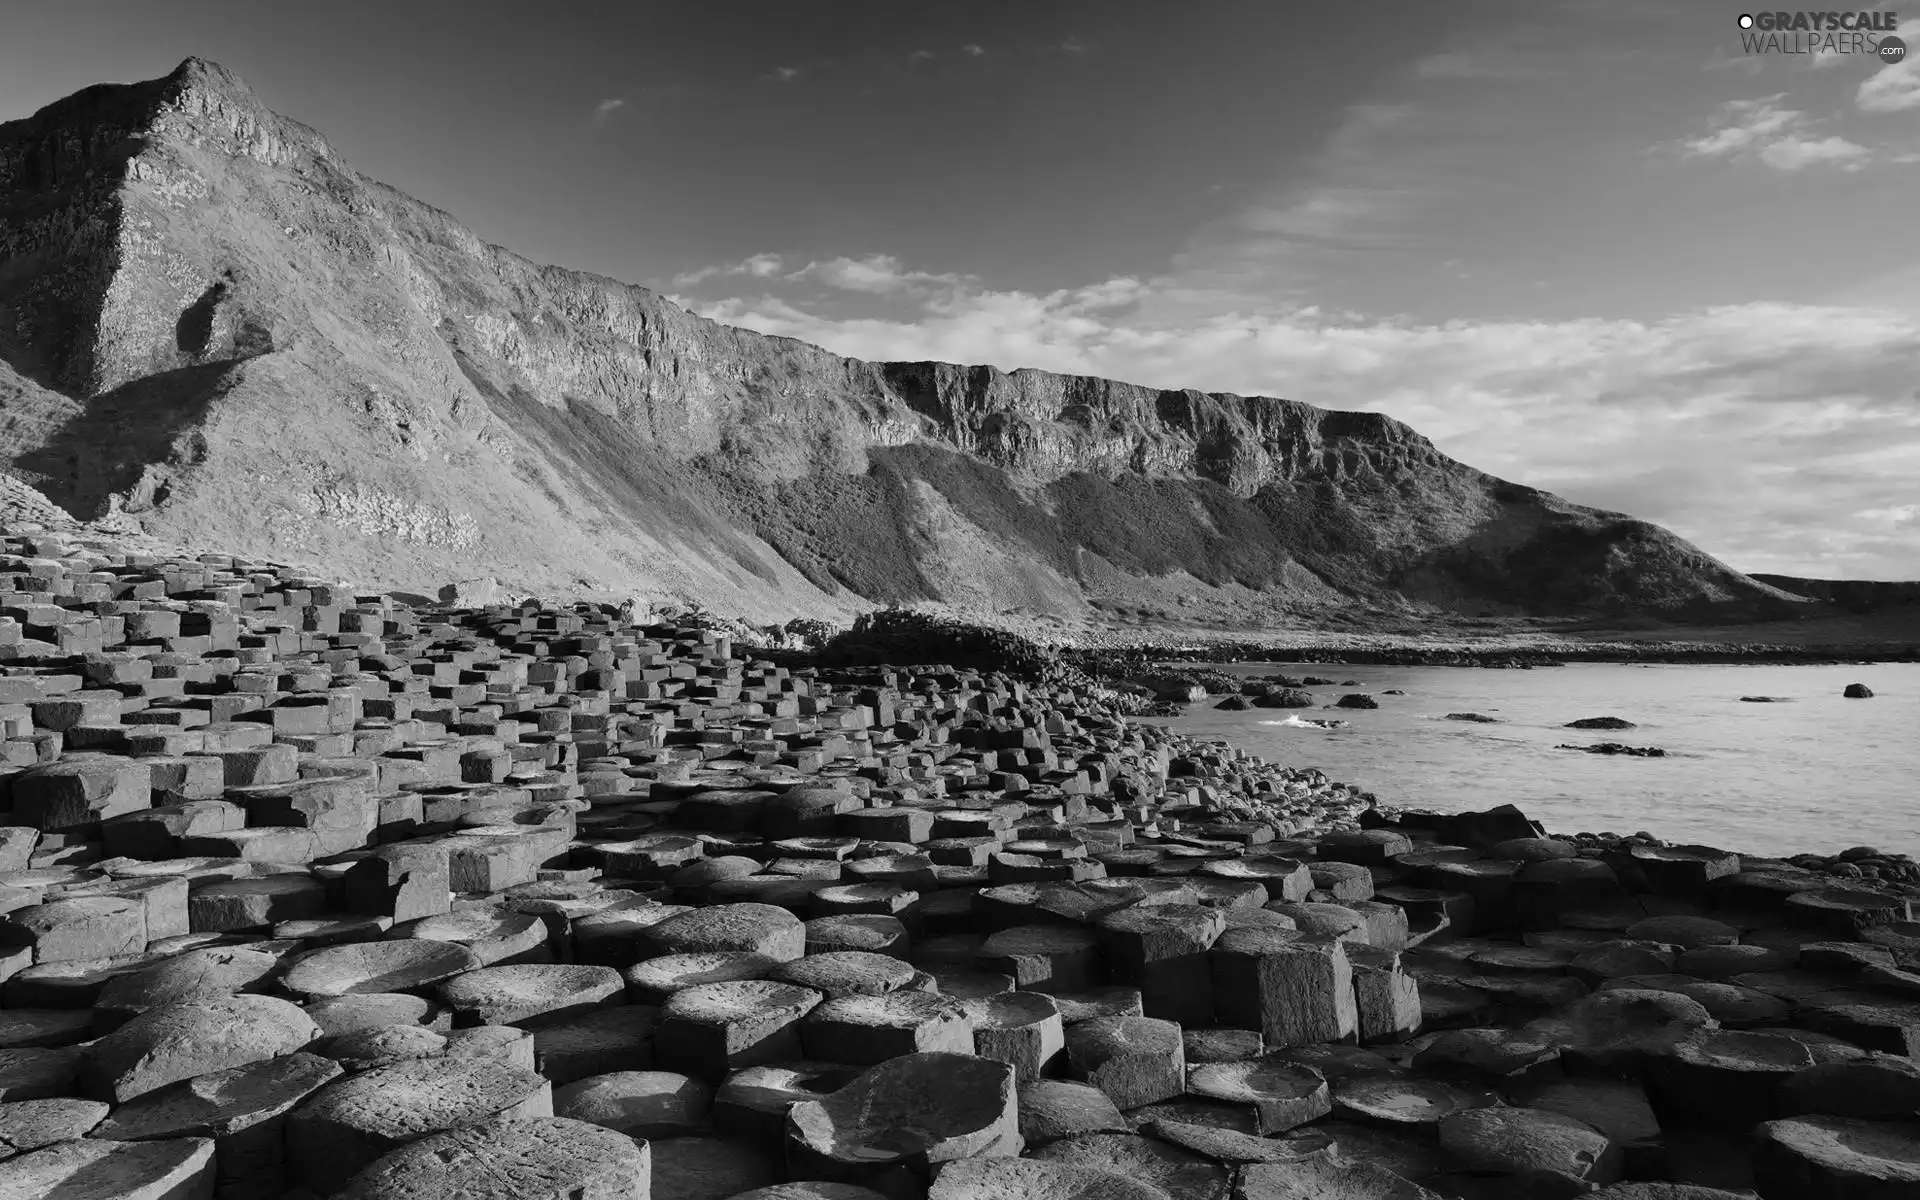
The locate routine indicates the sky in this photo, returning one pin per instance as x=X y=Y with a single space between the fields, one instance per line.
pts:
x=1591 y=245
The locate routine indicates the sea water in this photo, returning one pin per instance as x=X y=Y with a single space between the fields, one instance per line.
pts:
x=1811 y=773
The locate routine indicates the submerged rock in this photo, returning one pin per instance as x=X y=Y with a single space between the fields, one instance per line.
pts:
x=1617 y=748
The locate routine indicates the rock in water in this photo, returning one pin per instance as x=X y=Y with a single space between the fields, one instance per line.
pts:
x=1858 y=691
x=1283 y=697
x=1601 y=723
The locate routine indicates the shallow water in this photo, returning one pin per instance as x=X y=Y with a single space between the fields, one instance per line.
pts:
x=1816 y=774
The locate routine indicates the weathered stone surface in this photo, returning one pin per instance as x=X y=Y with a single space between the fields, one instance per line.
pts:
x=1282 y=1095
x=918 y=1110
x=349 y=1124
x=1317 y=1177
x=395 y=965
x=1051 y=1109
x=1134 y=1060
x=512 y=994
x=760 y=928
x=242 y=1109
x=1172 y=1169
x=1031 y=1179
x=30 y=1124
x=863 y=1029
x=179 y=1041
x=516 y=1158
x=709 y=1030
x=641 y=1104
x=163 y=1170
x=1516 y=1141
x=1837 y=1158
x=205 y=974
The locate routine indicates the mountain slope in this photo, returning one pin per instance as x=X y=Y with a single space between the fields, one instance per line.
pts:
x=211 y=324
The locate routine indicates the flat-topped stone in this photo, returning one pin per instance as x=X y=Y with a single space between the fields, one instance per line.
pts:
x=394 y=965
x=517 y=1158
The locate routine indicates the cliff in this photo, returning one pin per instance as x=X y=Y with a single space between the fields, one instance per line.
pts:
x=1853 y=595
x=212 y=326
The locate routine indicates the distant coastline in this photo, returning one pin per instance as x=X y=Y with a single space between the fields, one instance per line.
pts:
x=1394 y=652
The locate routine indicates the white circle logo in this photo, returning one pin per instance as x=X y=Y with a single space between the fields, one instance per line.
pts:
x=1746 y=21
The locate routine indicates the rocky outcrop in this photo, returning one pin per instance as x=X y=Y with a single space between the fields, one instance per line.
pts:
x=215 y=327
x=541 y=902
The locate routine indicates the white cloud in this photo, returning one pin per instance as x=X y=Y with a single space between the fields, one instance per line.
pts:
x=878 y=274
x=1793 y=153
x=608 y=107
x=920 y=56
x=1744 y=124
x=973 y=50
x=759 y=266
x=1779 y=437
x=1891 y=89
x=1785 y=139
x=785 y=74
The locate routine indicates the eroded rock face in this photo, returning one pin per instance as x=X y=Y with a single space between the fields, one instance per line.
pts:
x=174 y=240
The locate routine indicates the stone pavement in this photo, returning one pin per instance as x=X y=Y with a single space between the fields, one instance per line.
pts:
x=311 y=893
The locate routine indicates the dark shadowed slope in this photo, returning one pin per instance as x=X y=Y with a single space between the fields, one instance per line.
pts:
x=215 y=326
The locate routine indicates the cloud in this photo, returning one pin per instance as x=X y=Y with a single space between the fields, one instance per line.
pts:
x=1382 y=167
x=758 y=266
x=785 y=74
x=1891 y=89
x=606 y=108
x=1073 y=45
x=1783 y=138
x=920 y=56
x=1793 y=153
x=1741 y=427
x=877 y=274
x=973 y=50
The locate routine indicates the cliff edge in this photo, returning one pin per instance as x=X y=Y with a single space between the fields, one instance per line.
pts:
x=212 y=326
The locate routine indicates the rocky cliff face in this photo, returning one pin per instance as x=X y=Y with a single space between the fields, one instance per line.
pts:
x=211 y=324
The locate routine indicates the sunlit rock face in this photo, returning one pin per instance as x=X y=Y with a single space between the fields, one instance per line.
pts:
x=212 y=325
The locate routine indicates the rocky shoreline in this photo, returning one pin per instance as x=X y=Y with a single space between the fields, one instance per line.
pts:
x=1134 y=659
x=314 y=893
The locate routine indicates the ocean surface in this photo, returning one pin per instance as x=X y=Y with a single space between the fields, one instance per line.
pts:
x=1816 y=774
